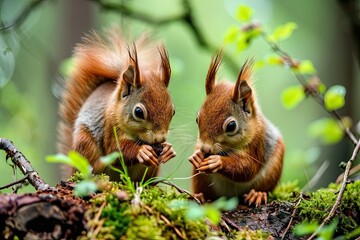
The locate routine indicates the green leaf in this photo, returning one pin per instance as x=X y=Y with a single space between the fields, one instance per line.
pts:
x=67 y=66
x=195 y=212
x=80 y=163
x=178 y=204
x=282 y=32
x=334 y=98
x=327 y=129
x=242 y=43
x=110 y=158
x=328 y=231
x=231 y=204
x=213 y=214
x=292 y=96
x=274 y=60
x=84 y=188
x=305 y=67
x=244 y=13
x=74 y=159
x=231 y=34
x=305 y=228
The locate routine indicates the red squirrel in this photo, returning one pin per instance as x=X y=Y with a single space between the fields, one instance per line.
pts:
x=238 y=150
x=118 y=85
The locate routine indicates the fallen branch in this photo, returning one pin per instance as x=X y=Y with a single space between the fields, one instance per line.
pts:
x=20 y=161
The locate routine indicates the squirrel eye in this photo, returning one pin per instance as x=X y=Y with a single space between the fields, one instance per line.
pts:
x=139 y=112
x=230 y=126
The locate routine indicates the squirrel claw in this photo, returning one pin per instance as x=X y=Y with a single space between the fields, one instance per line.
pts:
x=147 y=156
x=256 y=198
x=167 y=153
x=212 y=164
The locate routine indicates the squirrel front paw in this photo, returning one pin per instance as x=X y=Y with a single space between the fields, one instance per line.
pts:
x=167 y=153
x=147 y=156
x=196 y=158
x=211 y=164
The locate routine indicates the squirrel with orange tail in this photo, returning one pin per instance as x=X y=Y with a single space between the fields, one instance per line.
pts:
x=239 y=152
x=118 y=88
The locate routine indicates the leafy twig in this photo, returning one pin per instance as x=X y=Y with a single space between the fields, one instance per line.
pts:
x=341 y=191
x=318 y=98
x=23 y=164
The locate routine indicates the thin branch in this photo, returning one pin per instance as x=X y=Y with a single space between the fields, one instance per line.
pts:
x=23 y=15
x=180 y=190
x=352 y=171
x=341 y=192
x=22 y=180
x=187 y=16
x=292 y=216
x=23 y=164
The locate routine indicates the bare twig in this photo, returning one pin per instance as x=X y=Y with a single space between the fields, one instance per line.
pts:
x=292 y=216
x=180 y=190
x=23 y=164
x=341 y=192
x=23 y=15
x=22 y=180
x=187 y=16
x=352 y=171
x=231 y=223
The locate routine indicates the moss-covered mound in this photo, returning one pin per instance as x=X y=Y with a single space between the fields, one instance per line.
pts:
x=118 y=213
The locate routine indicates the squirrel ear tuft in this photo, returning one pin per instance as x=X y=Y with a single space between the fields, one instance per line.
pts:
x=211 y=75
x=165 y=65
x=242 y=90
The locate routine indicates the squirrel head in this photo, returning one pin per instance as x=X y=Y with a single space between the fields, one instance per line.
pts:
x=143 y=101
x=227 y=120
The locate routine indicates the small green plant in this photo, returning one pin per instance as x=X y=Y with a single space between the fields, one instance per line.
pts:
x=74 y=159
x=211 y=211
x=325 y=233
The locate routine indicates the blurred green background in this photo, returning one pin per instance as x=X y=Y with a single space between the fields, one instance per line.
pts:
x=33 y=50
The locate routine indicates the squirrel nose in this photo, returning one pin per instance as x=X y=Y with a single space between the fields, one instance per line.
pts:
x=160 y=138
x=206 y=148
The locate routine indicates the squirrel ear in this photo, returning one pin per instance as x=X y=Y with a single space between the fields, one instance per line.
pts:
x=128 y=81
x=211 y=75
x=165 y=65
x=242 y=90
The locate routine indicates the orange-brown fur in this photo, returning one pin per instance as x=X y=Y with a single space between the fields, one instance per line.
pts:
x=98 y=81
x=252 y=158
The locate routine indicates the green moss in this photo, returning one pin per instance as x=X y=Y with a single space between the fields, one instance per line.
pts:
x=318 y=206
x=116 y=215
x=144 y=227
x=285 y=192
x=247 y=234
x=153 y=220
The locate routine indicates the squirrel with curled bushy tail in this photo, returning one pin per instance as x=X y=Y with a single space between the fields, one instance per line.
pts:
x=119 y=88
x=239 y=152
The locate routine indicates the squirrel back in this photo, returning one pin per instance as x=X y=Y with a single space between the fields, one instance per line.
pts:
x=237 y=144
x=109 y=75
